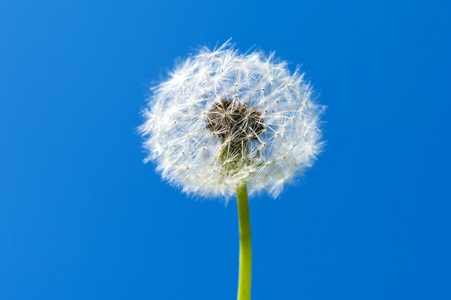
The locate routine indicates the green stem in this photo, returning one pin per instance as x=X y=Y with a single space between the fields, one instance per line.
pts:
x=244 y=281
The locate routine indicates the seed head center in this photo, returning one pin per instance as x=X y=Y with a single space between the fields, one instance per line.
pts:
x=230 y=120
x=237 y=125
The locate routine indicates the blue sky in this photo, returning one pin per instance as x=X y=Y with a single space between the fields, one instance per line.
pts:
x=81 y=217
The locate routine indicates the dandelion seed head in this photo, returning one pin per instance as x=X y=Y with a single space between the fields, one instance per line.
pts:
x=223 y=118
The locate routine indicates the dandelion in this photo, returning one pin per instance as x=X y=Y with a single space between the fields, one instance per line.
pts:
x=226 y=123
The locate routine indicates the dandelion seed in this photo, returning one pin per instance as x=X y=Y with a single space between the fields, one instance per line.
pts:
x=217 y=116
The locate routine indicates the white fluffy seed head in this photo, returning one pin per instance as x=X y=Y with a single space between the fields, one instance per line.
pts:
x=223 y=118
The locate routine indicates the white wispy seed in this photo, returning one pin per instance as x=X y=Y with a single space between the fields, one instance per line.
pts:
x=222 y=118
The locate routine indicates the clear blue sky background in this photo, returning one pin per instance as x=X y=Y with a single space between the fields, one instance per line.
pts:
x=82 y=218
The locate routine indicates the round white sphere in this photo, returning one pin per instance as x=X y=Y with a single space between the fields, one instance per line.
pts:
x=223 y=118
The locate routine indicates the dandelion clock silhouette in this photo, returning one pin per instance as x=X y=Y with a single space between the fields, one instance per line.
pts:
x=226 y=123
